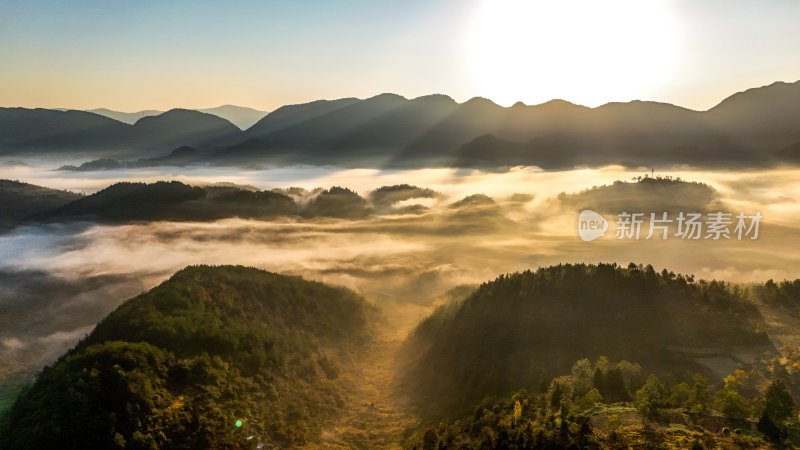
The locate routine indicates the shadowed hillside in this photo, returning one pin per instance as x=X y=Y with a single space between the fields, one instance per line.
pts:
x=124 y=202
x=22 y=200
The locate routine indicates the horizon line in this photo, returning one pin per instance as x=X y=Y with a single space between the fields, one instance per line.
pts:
x=437 y=94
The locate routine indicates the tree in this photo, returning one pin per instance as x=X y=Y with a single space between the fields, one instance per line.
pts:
x=728 y=400
x=598 y=381
x=700 y=398
x=768 y=428
x=430 y=439
x=736 y=379
x=650 y=397
x=731 y=404
x=778 y=402
x=555 y=394
x=564 y=422
x=582 y=376
x=590 y=399
x=631 y=372
x=681 y=395
x=615 y=390
x=602 y=362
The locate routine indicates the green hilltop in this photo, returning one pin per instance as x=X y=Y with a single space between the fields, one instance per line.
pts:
x=177 y=366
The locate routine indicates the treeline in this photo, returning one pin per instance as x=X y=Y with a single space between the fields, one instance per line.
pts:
x=612 y=405
x=176 y=201
x=783 y=294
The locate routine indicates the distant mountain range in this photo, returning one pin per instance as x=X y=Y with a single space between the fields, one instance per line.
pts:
x=127 y=117
x=52 y=132
x=755 y=127
x=240 y=116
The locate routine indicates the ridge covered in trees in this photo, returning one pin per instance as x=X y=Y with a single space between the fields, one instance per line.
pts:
x=175 y=201
x=23 y=200
x=567 y=356
x=646 y=194
x=181 y=365
x=523 y=329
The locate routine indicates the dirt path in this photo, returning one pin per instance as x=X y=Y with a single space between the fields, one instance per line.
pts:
x=374 y=419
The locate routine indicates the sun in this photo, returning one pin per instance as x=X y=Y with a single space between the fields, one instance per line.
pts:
x=585 y=51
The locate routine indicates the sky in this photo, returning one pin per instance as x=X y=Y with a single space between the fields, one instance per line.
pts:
x=135 y=55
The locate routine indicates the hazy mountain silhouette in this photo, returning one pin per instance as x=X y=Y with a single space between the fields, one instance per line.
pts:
x=291 y=114
x=181 y=156
x=319 y=133
x=764 y=117
x=179 y=127
x=390 y=130
x=126 y=117
x=41 y=130
x=22 y=128
x=240 y=116
x=748 y=128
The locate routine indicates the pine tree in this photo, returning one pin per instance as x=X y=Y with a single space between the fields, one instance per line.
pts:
x=768 y=428
x=598 y=381
x=699 y=397
x=555 y=395
x=779 y=403
x=615 y=386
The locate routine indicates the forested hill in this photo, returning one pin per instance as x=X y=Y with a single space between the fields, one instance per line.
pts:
x=22 y=200
x=523 y=329
x=171 y=200
x=126 y=202
x=208 y=359
x=648 y=194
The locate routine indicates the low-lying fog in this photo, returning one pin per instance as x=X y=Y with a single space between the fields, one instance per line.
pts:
x=56 y=281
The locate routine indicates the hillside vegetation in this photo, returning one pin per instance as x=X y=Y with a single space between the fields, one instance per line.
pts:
x=22 y=200
x=178 y=366
x=122 y=202
x=568 y=356
x=646 y=195
x=521 y=330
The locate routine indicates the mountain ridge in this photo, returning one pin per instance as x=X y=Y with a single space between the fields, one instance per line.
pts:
x=388 y=130
x=241 y=116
